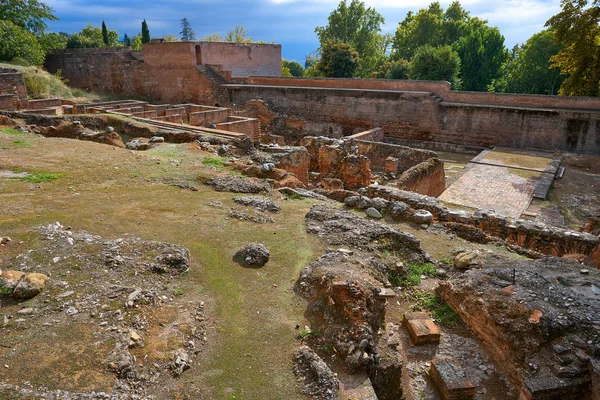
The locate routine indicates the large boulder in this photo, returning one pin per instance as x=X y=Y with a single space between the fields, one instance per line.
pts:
x=30 y=286
x=252 y=255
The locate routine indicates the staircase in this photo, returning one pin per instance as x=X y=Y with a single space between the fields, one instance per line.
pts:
x=211 y=74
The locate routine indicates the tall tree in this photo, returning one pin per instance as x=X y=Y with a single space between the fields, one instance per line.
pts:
x=437 y=64
x=104 y=34
x=187 y=33
x=482 y=54
x=91 y=37
x=360 y=27
x=338 y=60
x=17 y=43
x=145 y=32
x=577 y=29
x=529 y=70
x=239 y=34
x=126 y=40
x=28 y=14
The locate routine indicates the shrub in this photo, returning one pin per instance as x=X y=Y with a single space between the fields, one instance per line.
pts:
x=19 y=43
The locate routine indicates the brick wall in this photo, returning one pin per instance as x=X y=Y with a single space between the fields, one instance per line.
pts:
x=407 y=157
x=12 y=83
x=422 y=116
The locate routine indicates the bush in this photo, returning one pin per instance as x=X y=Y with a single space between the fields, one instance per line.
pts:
x=436 y=64
x=18 y=43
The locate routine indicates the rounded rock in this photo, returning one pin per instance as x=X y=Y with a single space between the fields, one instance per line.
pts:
x=351 y=201
x=373 y=213
x=422 y=217
x=398 y=209
x=379 y=203
x=363 y=203
x=252 y=255
x=8 y=281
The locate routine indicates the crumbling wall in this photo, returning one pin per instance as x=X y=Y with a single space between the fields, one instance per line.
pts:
x=407 y=157
x=13 y=93
x=426 y=178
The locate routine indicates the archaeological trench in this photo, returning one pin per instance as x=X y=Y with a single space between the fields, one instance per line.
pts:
x=240 y=235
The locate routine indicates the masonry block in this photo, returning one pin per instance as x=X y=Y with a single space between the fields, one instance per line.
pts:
x=450 y=379
x=421 y=328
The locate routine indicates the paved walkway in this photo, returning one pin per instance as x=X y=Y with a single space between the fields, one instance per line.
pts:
x=505 y=190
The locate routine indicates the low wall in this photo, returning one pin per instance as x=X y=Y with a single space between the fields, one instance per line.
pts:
x=524 y=100
x=247 y=126
x=426 y=178
x=537 y=237
x=407 y=157
x=12 y=83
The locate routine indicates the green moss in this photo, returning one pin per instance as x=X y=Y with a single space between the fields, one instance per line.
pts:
x=412 y=275
x=216 y=162
x=40 y=177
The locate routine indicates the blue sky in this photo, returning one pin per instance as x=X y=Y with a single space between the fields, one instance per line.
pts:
x=288 y=22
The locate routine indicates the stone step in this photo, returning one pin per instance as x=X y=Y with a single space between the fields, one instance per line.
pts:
x=421 y=328
x=450 y=379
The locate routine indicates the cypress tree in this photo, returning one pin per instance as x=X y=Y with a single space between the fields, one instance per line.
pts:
x=145 y=32
x=104 y=34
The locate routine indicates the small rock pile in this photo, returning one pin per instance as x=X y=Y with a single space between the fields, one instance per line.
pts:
x=398 y=210
x=317 y=379
x=252 y=255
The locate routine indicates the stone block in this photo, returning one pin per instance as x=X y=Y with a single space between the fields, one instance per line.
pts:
x=450 y=379
x=421 y=328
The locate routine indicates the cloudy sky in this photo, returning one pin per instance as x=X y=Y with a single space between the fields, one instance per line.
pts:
x=289 y=22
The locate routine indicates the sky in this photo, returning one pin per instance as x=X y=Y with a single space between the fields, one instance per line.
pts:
x=288 y=22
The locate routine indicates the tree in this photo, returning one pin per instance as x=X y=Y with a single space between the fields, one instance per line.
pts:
x=238 y=35
x=338 y=60
x=215 y=37
x=104 y=34
x=28 y=14
x=126 y=40
x=359 y=27
x=294 y=67
x=285 y=70
x=310 y=60
x=136 y=42
x=145 y=32
x=392 y=70
x=437 y=64
x=19 y=44
x=187 y=33
x=91 y=37
x=482 y=54
x=171 y=38
x=53 y=41
x=528 y=68
x=577 y=29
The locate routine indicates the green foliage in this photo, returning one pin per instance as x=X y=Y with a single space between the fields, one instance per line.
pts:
x=104 y=34
x=358 y=26
x=178 y=292
x=18 y=43
x=482 y=53
x=39 y=177
x=392 y=70
x=27 y=14
x=295 y=68
x=311 y=60
x=312 y=72
x=308 y=333
x=528 y=68
x=436 y=63
x=172 y=38
x=126 y=40
x=285 y=70
x=136 y=43
x=439 y=310
x=577 y=29
x=53 y=41
x=412 y=275
x=211 y=161
x=145 y=32
x=187 y=33
x=338 y=61
x=20 y=143
x=92 y=37
x=239 y=34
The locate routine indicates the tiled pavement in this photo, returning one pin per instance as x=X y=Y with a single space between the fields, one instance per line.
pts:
x=492 y=188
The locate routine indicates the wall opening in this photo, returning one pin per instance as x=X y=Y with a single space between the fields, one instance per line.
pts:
x=198 y=55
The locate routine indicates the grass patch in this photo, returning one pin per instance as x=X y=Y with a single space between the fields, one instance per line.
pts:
x=40 y=177
x=12 y=131
x=439 y=310
x=412 y=275
x=308 y=333
x=211 y=161
x=20 y=143
x=178 y=292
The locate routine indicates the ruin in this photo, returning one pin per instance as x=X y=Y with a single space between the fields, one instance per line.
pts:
x=373 y=157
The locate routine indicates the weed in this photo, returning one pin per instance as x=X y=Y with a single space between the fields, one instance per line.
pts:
x=307 y=333
x=293 y=196
x=40 y=177
x=20 y=143
x=412 y=275
x=178 y=292
x=12 y=131
x=134 y=175
x=216 y=162
x=446 y=260
x=440 y=311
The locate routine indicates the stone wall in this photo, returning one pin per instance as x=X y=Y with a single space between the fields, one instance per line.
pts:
x=13 y=93
x=407 y=157
x=418 y=115
x=426 y=178
x=538 y=237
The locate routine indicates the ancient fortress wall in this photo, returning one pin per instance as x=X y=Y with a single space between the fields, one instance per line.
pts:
x=219 y=73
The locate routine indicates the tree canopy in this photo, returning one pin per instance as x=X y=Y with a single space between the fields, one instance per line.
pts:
x=577 y=29
x=338 y=60
x=437 y=64
x=145 y=32
x=28 y=14
x=294 y=67
x=359 y=26
x=19 y=44
x=187 y=33
x=92 y=37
